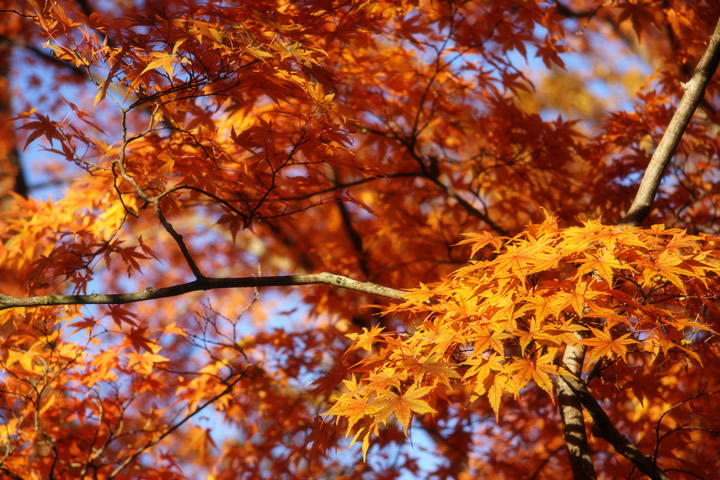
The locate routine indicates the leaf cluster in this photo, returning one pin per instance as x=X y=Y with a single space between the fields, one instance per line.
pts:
x=496 y=325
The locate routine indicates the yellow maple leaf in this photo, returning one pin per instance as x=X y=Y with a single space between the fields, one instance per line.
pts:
x=603 y=265
x=480 y=240
x=603 y=344
x=405 y=404
x=495 y=394
x=440 y=372
x=365 y=339
x=25 y=359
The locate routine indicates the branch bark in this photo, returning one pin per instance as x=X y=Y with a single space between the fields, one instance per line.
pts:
x=204 y=283
x=571 y=413
x=605 y=429
x=694 y=92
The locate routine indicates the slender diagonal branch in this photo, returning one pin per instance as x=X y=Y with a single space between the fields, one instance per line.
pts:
x=10 y=474
x=201 y=284
x=174 y=427
x=694 y=92
x=179 y=240
x=356 y=240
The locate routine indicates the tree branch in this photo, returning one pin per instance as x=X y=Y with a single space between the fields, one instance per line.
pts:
x=694 y=92
x=174 y=427
x=10 y=474
x=605 y=429
x=425 y=173
x=354 y=236
x=571 y=413
x=204 y=283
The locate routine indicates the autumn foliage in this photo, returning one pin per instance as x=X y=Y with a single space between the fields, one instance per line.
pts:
x=359 y=239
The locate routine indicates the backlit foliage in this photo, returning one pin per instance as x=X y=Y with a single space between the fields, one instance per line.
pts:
x=633 y=296
x=178 y=142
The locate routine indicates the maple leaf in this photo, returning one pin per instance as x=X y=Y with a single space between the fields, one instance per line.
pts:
x=354 y=408
x=386 y=378
x=27 y=360
x=549 y=52
x=543 y=306
x=121 y=315
x=485 y=336
x=43 y=126
x=139 y=340
x=84 y=323
x=538 y=370
x=604 y=265
x=404 y=404
x=582 y=295
x=366 y=339
x=145 y=363
x=173 y=329
x=480 y=240
x=327 y=383
x=526 y=258
x=440 y=372
x=163 y=60
x=641 y=14
x=480 y=372
x=537 y=331
x=667 y=266
x=495 y=393
x=604 y=344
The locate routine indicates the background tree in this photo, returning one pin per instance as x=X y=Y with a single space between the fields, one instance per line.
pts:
x=363 y=151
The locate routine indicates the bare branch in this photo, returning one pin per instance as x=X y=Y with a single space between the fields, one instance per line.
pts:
x=354 y=236
x=659 y=438
x=174 y=427
x=200 y=284
x=179 y=240
x=10 y=474
x=694 y=91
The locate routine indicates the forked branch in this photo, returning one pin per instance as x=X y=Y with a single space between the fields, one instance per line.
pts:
x=604 y=428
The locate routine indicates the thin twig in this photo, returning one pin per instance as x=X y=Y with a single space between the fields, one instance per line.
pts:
x=10 y=474
x=170 y=430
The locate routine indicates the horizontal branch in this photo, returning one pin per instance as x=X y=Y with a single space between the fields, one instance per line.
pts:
x=204 y=283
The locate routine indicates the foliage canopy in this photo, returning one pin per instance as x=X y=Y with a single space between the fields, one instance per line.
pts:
x=282 y=227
